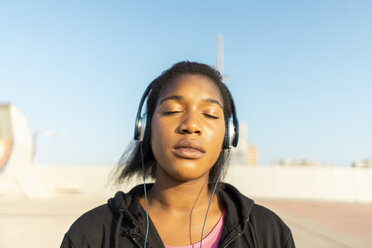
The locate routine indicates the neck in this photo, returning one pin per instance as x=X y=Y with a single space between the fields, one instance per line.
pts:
x=177 y=196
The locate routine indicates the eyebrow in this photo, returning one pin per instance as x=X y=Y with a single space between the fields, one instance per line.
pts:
x=180 y=98
x=172 y=97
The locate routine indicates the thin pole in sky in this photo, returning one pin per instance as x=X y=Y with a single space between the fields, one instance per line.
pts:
x=219 y=64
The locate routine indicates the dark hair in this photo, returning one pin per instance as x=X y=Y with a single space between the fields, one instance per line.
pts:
x=131 y=158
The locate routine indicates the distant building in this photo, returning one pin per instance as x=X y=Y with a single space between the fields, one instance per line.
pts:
x=366 y=163
x=245 y=153
x=296 y=162
x=301 y=162
x=252 y=156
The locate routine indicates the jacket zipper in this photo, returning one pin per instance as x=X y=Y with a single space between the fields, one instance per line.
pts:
x=132 y=236
x=232 y=239
x=235 y=237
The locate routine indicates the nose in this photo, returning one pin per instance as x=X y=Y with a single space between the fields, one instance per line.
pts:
x=191 y=124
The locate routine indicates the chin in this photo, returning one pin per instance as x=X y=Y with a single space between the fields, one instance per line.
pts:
x=186 y=172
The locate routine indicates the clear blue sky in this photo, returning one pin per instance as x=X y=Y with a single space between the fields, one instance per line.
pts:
x=300 y=71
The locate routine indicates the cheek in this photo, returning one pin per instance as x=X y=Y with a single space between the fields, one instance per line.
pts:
x=215 y=142
x=159 y=139
x=217 y=134
x=159 y=132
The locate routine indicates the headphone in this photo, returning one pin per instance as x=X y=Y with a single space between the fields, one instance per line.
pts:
x=143 y=124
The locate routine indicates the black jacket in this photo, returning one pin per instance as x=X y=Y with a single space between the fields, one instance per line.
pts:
x=122 y=223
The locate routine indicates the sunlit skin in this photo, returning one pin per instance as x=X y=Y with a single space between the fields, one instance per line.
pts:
x=187 y=132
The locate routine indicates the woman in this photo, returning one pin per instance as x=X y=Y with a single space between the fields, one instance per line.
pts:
x=182 y=142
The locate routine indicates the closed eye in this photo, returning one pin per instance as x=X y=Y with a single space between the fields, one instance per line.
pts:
x=171 y=112
x=211 y=116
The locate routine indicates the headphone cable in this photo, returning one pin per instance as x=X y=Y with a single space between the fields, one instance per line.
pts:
x=144 y=188
x=210 y=201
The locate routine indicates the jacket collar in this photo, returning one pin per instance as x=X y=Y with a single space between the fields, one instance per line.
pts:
x=133 y=224
x=237 y=208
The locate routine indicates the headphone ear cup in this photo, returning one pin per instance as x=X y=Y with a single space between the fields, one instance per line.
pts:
x=141 y=128
x=140 y=131
x=235 y=131
x=147 y=128
x=226 y=140
x=230 y=135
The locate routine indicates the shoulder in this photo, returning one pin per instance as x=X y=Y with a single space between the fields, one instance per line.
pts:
x=89 y=228
x=258 y=214
x=265 y=216
x=269 y=228
x=264 y=226
x=96 y=228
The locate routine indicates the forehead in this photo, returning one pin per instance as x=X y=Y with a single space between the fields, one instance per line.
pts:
x=193 y=86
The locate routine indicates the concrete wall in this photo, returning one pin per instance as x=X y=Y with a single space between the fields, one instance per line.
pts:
x=35 y=181
x=307 y=183
x=280 y=182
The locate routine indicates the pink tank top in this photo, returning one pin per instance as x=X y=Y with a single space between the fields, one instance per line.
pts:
x=211 y=240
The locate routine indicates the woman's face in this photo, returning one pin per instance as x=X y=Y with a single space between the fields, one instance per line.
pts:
x=188 y=127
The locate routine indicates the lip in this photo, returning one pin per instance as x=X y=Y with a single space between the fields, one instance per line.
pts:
x=189 y=149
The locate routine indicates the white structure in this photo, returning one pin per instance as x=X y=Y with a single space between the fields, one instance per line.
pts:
x=16 y=154
x=16 y=144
